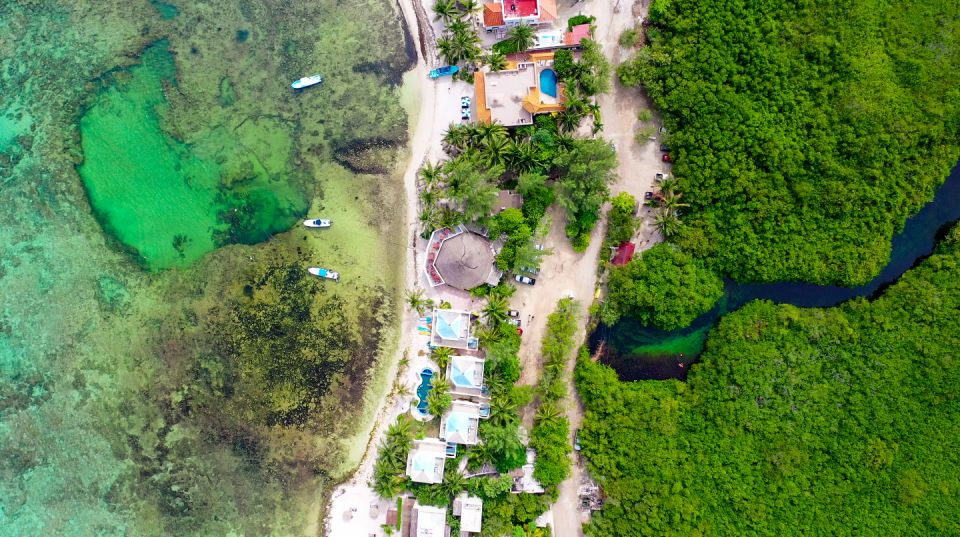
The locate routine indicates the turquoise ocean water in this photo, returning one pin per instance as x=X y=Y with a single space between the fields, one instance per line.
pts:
x=165 y=368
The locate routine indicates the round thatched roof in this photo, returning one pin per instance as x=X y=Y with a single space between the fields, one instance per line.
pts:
x=465 y=261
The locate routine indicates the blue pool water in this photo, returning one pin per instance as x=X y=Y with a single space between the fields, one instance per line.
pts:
x=424 y=389
x=548 y=82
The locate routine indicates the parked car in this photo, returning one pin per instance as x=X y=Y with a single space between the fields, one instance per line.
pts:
x=576 y=440
x=666 y=157
x=525 y=279
x=514 y=322
x=464 y=102
x=465 y=114
x=664 y=147
x=444 y=71
x=538 y=247
x=530 y=270
x=513 y=313
x=660 y=177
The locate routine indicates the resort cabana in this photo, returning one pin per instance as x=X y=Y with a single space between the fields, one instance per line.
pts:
x=429 y=521
x=461 y=423
x=425 y=461
x=451 y=328
x=470 y=511
x=465 y=373
x=460 y=258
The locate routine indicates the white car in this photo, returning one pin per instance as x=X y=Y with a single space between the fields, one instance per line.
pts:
x=525 y=279
x=464 y=102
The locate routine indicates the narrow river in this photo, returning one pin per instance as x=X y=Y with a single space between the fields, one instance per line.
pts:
x=640 y=352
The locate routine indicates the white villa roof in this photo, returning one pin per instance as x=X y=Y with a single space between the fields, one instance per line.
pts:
x=426 y=459
x=466 y=371
x=470 y=512
x=430 y=521
x=451 y=328
x=461 y=422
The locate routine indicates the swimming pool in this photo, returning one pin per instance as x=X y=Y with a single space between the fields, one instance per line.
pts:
x=548 y=82
x=423 y=390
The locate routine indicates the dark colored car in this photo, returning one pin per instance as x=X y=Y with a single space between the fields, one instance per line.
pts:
x=664 y=148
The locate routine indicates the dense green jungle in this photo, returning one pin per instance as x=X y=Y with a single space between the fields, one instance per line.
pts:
x=839 y=421
x=803 y=132
x=167 y=367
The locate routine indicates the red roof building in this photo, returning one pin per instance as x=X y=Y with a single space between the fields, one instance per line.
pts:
x=576 y=35
x=507 y=13
x=624 y=254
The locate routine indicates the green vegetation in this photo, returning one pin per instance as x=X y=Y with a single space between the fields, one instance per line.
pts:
x=486 y=158
x=803 y=133
x=839 y=421
x=551 y=428
x=663 y=287
x=519 y=38
x=389 y=472
x=622 y=223
x=577 y=20
x=630 y=38
x=586 y=171
x=459 y=43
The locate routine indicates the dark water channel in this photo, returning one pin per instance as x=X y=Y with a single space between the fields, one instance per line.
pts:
x=640 y=352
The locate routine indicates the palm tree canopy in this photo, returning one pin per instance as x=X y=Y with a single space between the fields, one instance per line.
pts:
x=521 y=37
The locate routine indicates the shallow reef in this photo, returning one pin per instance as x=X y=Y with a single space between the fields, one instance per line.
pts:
x=166 y=366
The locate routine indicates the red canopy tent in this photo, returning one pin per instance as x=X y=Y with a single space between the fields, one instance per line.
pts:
x=624 y=253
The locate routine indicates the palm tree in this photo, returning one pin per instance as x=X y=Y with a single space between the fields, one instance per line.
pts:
x=458 y=27
x=485 y=132
x=469 y=7
x=417 y=302
x=466 y=46
x=495 y=150
x=445 y=10
x=495 y=311
x=445 y=46
x=548 y=413
x=520 y=37
x=442 y=355
x=523 y=157
x=667 y=222
x=431 y=173
x=497 y=61
x=458 y=138
x=478 y=456
x=670 y=201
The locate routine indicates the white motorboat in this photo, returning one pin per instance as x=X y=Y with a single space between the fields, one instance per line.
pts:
x=306 y=82
x=324 y=273
x=318 y=222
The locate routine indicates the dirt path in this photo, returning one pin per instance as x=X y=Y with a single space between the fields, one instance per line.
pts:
x=638 y=164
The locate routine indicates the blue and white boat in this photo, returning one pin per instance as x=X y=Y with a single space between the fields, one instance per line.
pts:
x=318 y=222
x=324 y=273
x=306 y=82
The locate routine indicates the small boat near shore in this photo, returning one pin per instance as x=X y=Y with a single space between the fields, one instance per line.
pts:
x=318 y=222
x=306 y=82
x=324 y=273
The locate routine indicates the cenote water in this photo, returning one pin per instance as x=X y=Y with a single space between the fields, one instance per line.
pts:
x=640 y=352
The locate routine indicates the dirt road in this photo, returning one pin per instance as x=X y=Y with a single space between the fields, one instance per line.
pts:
x=638 y=163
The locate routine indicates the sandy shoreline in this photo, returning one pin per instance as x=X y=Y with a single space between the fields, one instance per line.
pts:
x=434 y=107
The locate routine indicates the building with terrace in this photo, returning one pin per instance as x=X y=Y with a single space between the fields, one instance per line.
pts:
x=465 y=374
x=504 y=14
x=470 y=511
x=461 y=423
x=556 y=38
x=460 y=258
x=513 y=96
x=426 y=459
x=451 y=328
